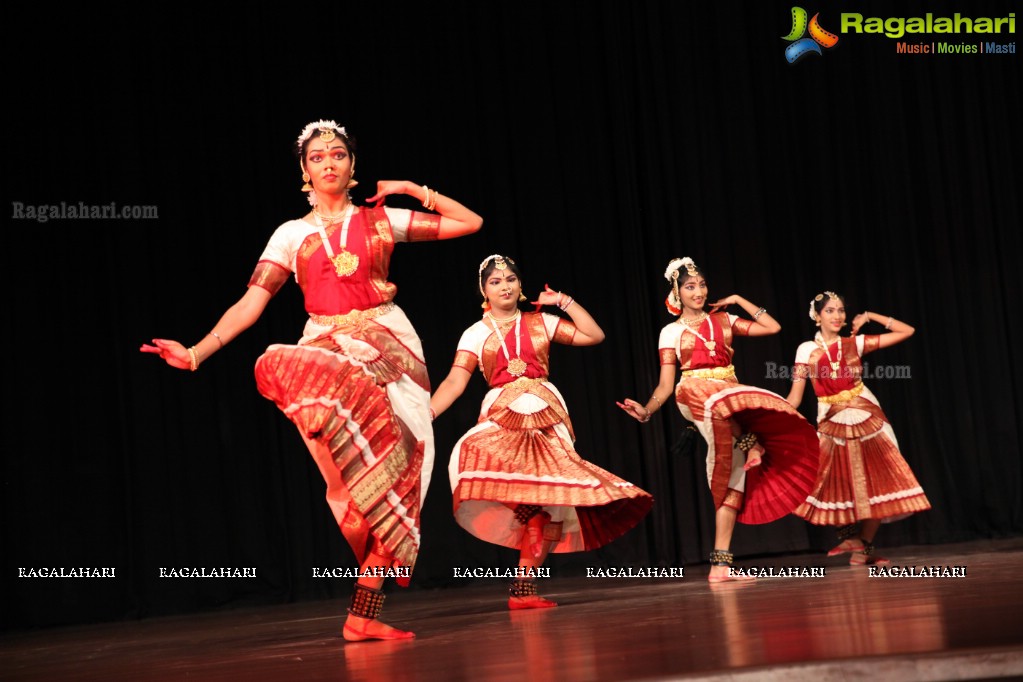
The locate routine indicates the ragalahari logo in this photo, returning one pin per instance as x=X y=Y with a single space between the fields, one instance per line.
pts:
x=802 y=46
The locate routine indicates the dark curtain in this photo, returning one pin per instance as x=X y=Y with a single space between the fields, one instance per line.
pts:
x=598 y=140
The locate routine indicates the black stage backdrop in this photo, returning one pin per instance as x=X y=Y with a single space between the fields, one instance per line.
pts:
x=598 y=140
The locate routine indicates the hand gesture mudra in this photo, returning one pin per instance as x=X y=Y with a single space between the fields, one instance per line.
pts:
x=171 y=352
x=858 y=322
x=634 y=410
x=384 y=189
x=724 y=303
x=548 y=297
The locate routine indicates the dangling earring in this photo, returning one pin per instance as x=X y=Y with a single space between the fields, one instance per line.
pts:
x=485 y=305
x=352 y=182
x=305 y=178
x=818 y=321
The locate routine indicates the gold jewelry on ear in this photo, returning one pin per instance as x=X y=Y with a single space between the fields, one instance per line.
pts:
x=305 y=178
x=352 y=182
x=522 y=296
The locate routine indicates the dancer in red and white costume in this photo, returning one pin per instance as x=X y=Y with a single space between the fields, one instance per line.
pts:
x=744 y=426
x=516 y=478
x=863 y=481
x=355 y=384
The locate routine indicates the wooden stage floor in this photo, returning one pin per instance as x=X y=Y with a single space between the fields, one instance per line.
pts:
x=843 y=626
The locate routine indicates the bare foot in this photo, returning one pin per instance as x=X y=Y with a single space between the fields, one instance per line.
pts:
x=531 y=602
x=851 y=545
x=722 y=574
x=359 y=629
x=753 y=458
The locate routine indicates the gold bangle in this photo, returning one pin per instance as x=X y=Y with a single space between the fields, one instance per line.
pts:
x=433 y=202
x=217 y=337
x=426 y=199
x=193 y=356
x=659 y=403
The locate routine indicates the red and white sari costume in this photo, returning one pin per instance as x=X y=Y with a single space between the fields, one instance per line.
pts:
x=862 y=473
x=521 y=450
x=356 y=384
x=709 y=395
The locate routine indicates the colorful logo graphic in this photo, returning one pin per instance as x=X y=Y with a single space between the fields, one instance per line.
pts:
x=801 y=46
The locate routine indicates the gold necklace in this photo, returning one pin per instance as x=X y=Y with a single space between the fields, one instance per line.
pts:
x=516 y=366
x=694 y=322
x=694 y=327
x=502 y=320
x=330 y=220
x=837 y=362
x=346 y=262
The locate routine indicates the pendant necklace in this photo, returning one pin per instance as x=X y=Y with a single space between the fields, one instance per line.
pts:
x=346 y=262
x=516 y=365
x=834 y=363
x=709 y=343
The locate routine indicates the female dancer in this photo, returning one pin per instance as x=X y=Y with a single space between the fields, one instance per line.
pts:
x=355 y=385
x=516 y=478
x=744 y=426
x=863 y=477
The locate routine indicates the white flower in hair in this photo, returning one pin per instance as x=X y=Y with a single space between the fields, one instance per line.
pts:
x=319 y=125
x=677 y=263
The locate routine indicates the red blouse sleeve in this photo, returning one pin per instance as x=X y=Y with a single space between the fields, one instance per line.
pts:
x=466 y=360
x=423 y=227
x=564 y=333
x=741 y=326
x=871 y=342
x=270 y=276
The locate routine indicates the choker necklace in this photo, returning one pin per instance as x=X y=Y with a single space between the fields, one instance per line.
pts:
x=838 y=350
x=516 y=365
x=693 y=326
x=346 y=262
x=693 y=322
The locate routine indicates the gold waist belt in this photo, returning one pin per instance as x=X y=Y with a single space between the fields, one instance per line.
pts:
x=843 y=396
x=523 y=382
x=710 y=373
x=352 y=318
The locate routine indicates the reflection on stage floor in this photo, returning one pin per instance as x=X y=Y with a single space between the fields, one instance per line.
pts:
x=842 y=625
